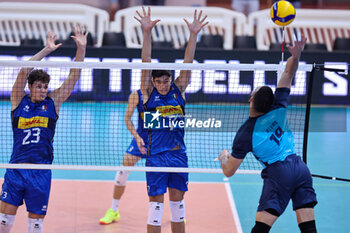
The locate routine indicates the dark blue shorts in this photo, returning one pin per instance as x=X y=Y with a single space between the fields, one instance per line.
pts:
x=32 y=186
x=134 y=150
x=285 y=180
x=157 y=182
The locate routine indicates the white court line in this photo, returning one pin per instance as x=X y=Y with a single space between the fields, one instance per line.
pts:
x=233 y=207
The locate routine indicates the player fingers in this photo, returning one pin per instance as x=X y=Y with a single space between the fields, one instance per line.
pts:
x=58 y=45
x=200 y=15
x=205 y=17
x=137 y=19
x=144 y=10
x=186 y=22
x=137 y=12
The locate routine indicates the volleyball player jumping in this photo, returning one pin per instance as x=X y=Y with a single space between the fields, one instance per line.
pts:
x=34 y=119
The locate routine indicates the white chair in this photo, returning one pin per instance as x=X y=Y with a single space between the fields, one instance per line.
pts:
x=319 y=26
x=20 y=20
x=172 y=27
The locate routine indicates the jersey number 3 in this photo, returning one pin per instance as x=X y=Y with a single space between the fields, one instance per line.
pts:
x=35 y=132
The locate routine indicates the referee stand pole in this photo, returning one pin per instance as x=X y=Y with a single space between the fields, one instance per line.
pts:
x=316 y=67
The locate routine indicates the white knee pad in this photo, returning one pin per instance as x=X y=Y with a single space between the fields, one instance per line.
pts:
x=177 y=209
x=155 y=213
x=6 y=222
x=121 y=178
x=35 y=225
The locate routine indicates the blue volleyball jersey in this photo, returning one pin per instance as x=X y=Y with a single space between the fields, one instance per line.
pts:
x=268 y=136
x=33 y=127
x=172 y=109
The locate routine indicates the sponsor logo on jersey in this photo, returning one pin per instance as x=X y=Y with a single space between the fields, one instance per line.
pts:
x=169 y=110
x=26 y=108
x=26 y=123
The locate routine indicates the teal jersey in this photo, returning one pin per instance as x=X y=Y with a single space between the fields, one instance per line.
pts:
x=268 y=136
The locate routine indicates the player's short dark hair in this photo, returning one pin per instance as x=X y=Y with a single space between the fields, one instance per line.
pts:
x=38 y=75
x=160 y=73
x=263 y=99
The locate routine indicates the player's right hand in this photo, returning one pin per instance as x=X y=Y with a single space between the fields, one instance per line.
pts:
x=141 y=145
x=145 y=20
x=50 y=42
x=224 y=156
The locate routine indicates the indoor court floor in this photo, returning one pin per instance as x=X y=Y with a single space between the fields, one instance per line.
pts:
x=213 y=203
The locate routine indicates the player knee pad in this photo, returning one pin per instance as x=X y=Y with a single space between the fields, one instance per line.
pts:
x=35 y=225
x=177 y=210
x=121 y=178
x=155 y=213
x=261 y=227
x=308 y=227
x=6 y=222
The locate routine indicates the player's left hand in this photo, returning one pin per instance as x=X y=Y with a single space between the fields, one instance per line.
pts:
x=80 y=37
x=198 y=22
x=224 y=156
x=50 y=42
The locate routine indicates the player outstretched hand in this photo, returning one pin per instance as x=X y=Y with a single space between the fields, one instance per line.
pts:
x=145 y=19
x=80 y=37
x=50 y=42
x=223 y=157
x=198 y=23
x=298 y=47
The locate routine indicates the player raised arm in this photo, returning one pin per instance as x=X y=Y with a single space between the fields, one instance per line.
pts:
x=198 y=23
x=292 y=63
x=132 y=103
x=147 y=25
x=21 y=80
x=64 y=91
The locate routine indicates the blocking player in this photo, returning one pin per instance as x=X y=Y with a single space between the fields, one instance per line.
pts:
x=34 y=119
x=166 y=147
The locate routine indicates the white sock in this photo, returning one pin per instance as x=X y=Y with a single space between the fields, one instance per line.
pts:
x=115 y=204
x=35 y=225
x=6 y=222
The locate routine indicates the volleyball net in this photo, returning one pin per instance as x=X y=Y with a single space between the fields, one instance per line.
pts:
x=91 y=134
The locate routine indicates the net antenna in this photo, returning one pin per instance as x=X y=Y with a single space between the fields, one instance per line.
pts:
x=91 y=133
x=318 y=67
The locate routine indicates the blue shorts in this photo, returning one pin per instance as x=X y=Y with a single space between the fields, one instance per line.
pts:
x=285 y=180
x=157 y=182
x=32 y=186
x=134 y=150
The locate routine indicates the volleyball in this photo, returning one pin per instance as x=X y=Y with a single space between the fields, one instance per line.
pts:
x=282 y=13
